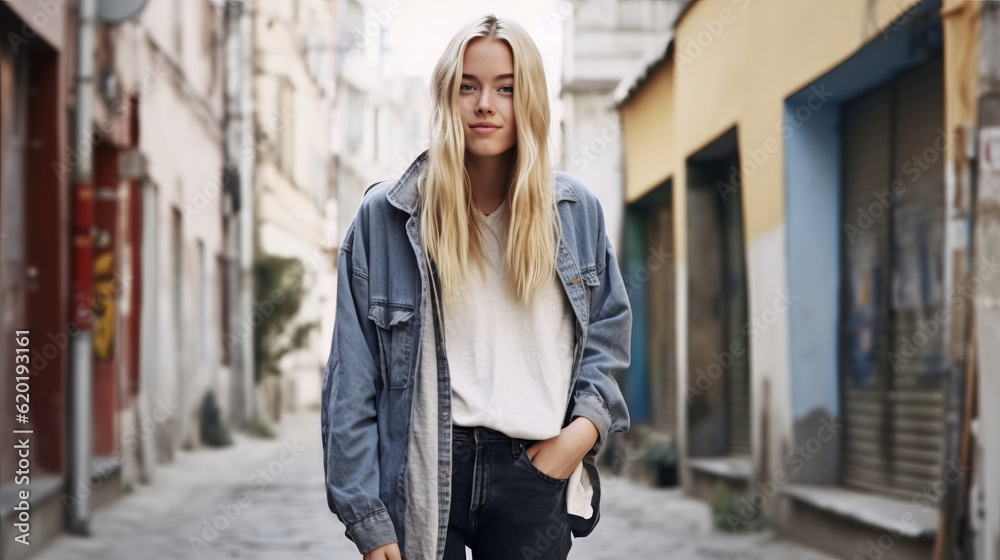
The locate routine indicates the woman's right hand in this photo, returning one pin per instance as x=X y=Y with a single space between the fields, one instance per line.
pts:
x=387 y=552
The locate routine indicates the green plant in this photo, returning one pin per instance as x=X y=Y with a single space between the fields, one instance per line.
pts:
x=213 y=431
x=659 y=454
x=660 y=460
x=259 y=429
x=733 y=512
x=279 y=288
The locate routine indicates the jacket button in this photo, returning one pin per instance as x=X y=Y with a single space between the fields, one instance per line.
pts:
x=444 y=474
x=444 y=414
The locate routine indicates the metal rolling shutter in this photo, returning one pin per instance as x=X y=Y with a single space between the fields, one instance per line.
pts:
x=917 y=249
x=866 y=170
x=662 y=322
x=719 y=413
x=892 y=397
x=708 y=430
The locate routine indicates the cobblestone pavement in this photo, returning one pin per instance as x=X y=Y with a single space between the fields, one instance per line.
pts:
x=642 y=523
x=270 y=494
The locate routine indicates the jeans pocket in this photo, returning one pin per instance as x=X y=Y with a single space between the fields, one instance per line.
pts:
x=526 y=462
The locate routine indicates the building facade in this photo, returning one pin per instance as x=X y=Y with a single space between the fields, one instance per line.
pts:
x=381 y=114
x=810 y=165
x=604 y=41
x=123 y=258
x=293 y=88
x=34 y=257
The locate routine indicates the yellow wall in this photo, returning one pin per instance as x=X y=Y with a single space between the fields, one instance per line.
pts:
x=960 y=19
x=752 y=55
x=648 y=125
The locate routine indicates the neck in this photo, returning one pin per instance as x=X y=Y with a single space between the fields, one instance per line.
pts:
x=489 y=176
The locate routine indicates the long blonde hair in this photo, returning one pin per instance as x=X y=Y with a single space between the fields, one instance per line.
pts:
x=450 y=226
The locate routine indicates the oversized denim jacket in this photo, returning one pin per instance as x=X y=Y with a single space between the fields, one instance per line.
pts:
x=369 y=379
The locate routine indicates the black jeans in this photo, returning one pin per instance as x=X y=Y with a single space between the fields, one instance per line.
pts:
x=502 y=506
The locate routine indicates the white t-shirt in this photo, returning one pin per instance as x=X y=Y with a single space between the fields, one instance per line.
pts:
x=510 y=364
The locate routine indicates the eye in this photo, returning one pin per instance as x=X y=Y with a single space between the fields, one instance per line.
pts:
x=463 y=86
x=507 y=89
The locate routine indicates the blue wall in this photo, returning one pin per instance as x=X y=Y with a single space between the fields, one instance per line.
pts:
x=814 y=218
x=812 y=177
x=636 y=391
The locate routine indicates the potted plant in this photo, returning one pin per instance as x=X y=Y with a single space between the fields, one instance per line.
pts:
x=660 y=459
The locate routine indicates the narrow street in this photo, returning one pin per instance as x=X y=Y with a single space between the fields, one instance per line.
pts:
x=267 y=496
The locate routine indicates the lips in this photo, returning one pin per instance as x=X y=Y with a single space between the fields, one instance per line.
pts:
x=484 y=126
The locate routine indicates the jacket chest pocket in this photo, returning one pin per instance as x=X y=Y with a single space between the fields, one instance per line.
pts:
x=395 y=333
x=590 y=277
x=593 y=283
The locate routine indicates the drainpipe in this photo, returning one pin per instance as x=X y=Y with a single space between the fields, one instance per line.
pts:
x=987 y=297
x=239 y=166
x=233 y=137
x=80 y=377
x=247 y=227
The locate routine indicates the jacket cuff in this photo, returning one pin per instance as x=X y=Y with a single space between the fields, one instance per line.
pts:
x=591 y=406
x=372 y=531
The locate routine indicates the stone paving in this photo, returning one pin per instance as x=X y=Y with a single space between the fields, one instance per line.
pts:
x=270 y=495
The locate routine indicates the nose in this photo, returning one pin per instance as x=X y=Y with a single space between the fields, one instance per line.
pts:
x=484 y=105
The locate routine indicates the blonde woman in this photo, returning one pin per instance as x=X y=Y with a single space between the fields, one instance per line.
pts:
x=480 y=317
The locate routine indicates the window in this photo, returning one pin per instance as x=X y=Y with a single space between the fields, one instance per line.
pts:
x=201 y=328
x=222 y=265
x=283 y=144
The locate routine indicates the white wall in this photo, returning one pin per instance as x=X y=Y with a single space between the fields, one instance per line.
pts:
x=605 y=41
x=292 y=200
x=178 y=77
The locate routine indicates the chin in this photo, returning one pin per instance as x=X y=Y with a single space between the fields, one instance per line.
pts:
x=479 y=149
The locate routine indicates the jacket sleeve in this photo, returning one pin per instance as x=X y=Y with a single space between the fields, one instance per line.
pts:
x=596 y=394
x=351 y=380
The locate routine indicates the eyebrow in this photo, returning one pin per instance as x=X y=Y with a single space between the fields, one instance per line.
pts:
x=495 y=78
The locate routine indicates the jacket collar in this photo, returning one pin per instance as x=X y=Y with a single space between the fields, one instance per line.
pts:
x=403 y=194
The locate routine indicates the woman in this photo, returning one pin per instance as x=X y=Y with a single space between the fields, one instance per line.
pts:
x=480 y=315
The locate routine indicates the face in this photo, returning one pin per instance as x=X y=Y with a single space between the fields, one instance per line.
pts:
x=486 y=98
